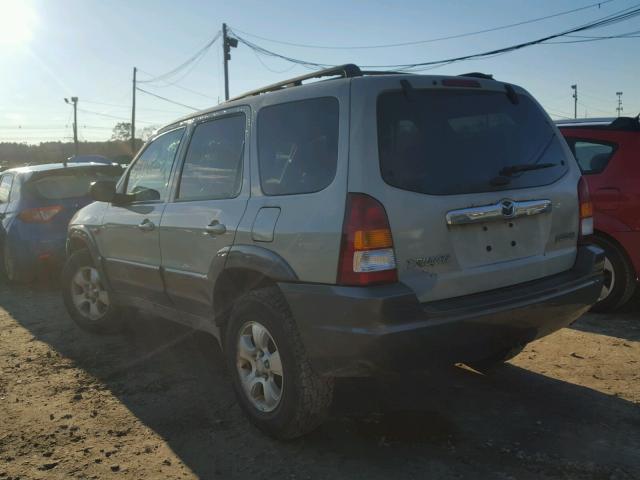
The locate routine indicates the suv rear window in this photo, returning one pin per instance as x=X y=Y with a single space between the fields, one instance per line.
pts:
x=445 y=142
x=72 y=183
x=298 y=146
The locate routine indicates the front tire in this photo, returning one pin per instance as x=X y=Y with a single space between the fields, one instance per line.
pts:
x=619 y=283
x=271 y=374
x=86 y=298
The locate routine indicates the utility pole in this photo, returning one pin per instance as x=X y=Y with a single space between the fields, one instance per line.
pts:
x=575 y=100
x=227 y=44
x=133 y=114
x=619 y=108
x=74 y=101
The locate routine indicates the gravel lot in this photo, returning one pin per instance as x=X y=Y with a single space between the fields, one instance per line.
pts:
x=155 y=403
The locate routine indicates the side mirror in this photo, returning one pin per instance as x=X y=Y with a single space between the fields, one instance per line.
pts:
x=146 y=195
x=103 y=191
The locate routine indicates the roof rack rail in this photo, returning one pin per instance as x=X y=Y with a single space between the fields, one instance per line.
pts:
x=486 y=76
x=629 y=124
x=384 y=72
x=346 y=71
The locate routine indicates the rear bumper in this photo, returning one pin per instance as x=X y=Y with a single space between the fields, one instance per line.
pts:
x=30 y=252
x=361 y=331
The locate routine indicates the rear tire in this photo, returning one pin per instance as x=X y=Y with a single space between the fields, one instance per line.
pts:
x=86 y=297
x=287 y=404
x=620 y=283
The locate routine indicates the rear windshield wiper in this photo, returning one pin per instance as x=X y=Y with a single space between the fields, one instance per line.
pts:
x=526 y=167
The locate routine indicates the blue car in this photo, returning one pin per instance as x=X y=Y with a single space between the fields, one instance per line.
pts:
x=36 y=204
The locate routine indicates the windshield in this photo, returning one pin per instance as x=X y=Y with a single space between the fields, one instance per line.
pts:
x=445 y=142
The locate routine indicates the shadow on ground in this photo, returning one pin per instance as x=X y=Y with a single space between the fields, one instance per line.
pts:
x=624 y=324
x=453 y=423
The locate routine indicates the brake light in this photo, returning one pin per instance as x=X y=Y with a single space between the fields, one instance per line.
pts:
x=366 y=253
x=586 y=210
x=39 y=215
x=460 y=82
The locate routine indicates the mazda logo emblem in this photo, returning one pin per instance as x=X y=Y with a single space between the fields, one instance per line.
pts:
x=508 y=208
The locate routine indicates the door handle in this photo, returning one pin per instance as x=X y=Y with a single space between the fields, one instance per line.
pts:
x=146 y=225
x=215 y=228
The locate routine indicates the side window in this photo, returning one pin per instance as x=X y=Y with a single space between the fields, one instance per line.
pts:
x=5 y=188
x=213 y=164
x=149 y=176
x=298 y=146
x=593 y=157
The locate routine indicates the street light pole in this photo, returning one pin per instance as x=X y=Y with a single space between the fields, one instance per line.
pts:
x=575 y=100
x=74 y=102
x=619 y=108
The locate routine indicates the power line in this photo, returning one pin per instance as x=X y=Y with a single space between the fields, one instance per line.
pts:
x=431 y=40
x=588 y=107
x=166 y=99
x=129 y=106
x=185 y=64
x=584 y=39
x=195 y=92
x=111 y=116
x=29 y=127
x=617 y=17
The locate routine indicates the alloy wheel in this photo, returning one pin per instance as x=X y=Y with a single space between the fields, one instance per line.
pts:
x=259 y=367
x=89 y=296
x=609 y=280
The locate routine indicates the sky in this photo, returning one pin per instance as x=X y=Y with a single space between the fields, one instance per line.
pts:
x=52 y=49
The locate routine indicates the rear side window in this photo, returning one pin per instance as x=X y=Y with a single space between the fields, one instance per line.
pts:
x=5 y=188
x=445 y=142
x=213 y=165
x=298 y=146
x=593 y=157
x=150 y=174
x=72 y=183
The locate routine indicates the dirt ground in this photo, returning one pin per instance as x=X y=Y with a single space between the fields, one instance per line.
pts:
x=156 y=403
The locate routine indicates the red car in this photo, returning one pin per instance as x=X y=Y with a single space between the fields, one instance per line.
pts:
x=608 y=151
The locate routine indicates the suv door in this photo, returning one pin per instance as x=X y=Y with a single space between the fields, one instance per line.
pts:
x=209 y=201
x=129 y=238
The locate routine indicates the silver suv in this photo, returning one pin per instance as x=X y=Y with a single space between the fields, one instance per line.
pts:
x=360 y=224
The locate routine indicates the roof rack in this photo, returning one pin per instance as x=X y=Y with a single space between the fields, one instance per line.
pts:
x=345 y=71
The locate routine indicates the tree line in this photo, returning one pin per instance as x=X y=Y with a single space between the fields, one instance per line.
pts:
x=118 y=149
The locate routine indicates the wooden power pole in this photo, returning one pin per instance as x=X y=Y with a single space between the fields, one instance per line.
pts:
x=133 y=114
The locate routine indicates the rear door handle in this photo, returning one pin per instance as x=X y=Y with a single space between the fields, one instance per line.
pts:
x=146 y=225
x=215 y=228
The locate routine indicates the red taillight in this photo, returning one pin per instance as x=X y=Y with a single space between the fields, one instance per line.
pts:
x=586 y=210
x=460 y=82
x=39 y=215
x=366 y=253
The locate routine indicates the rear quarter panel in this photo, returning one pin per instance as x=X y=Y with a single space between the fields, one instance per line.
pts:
x=308 y=230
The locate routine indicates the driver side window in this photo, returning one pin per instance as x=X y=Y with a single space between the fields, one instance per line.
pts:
x=152 y=170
